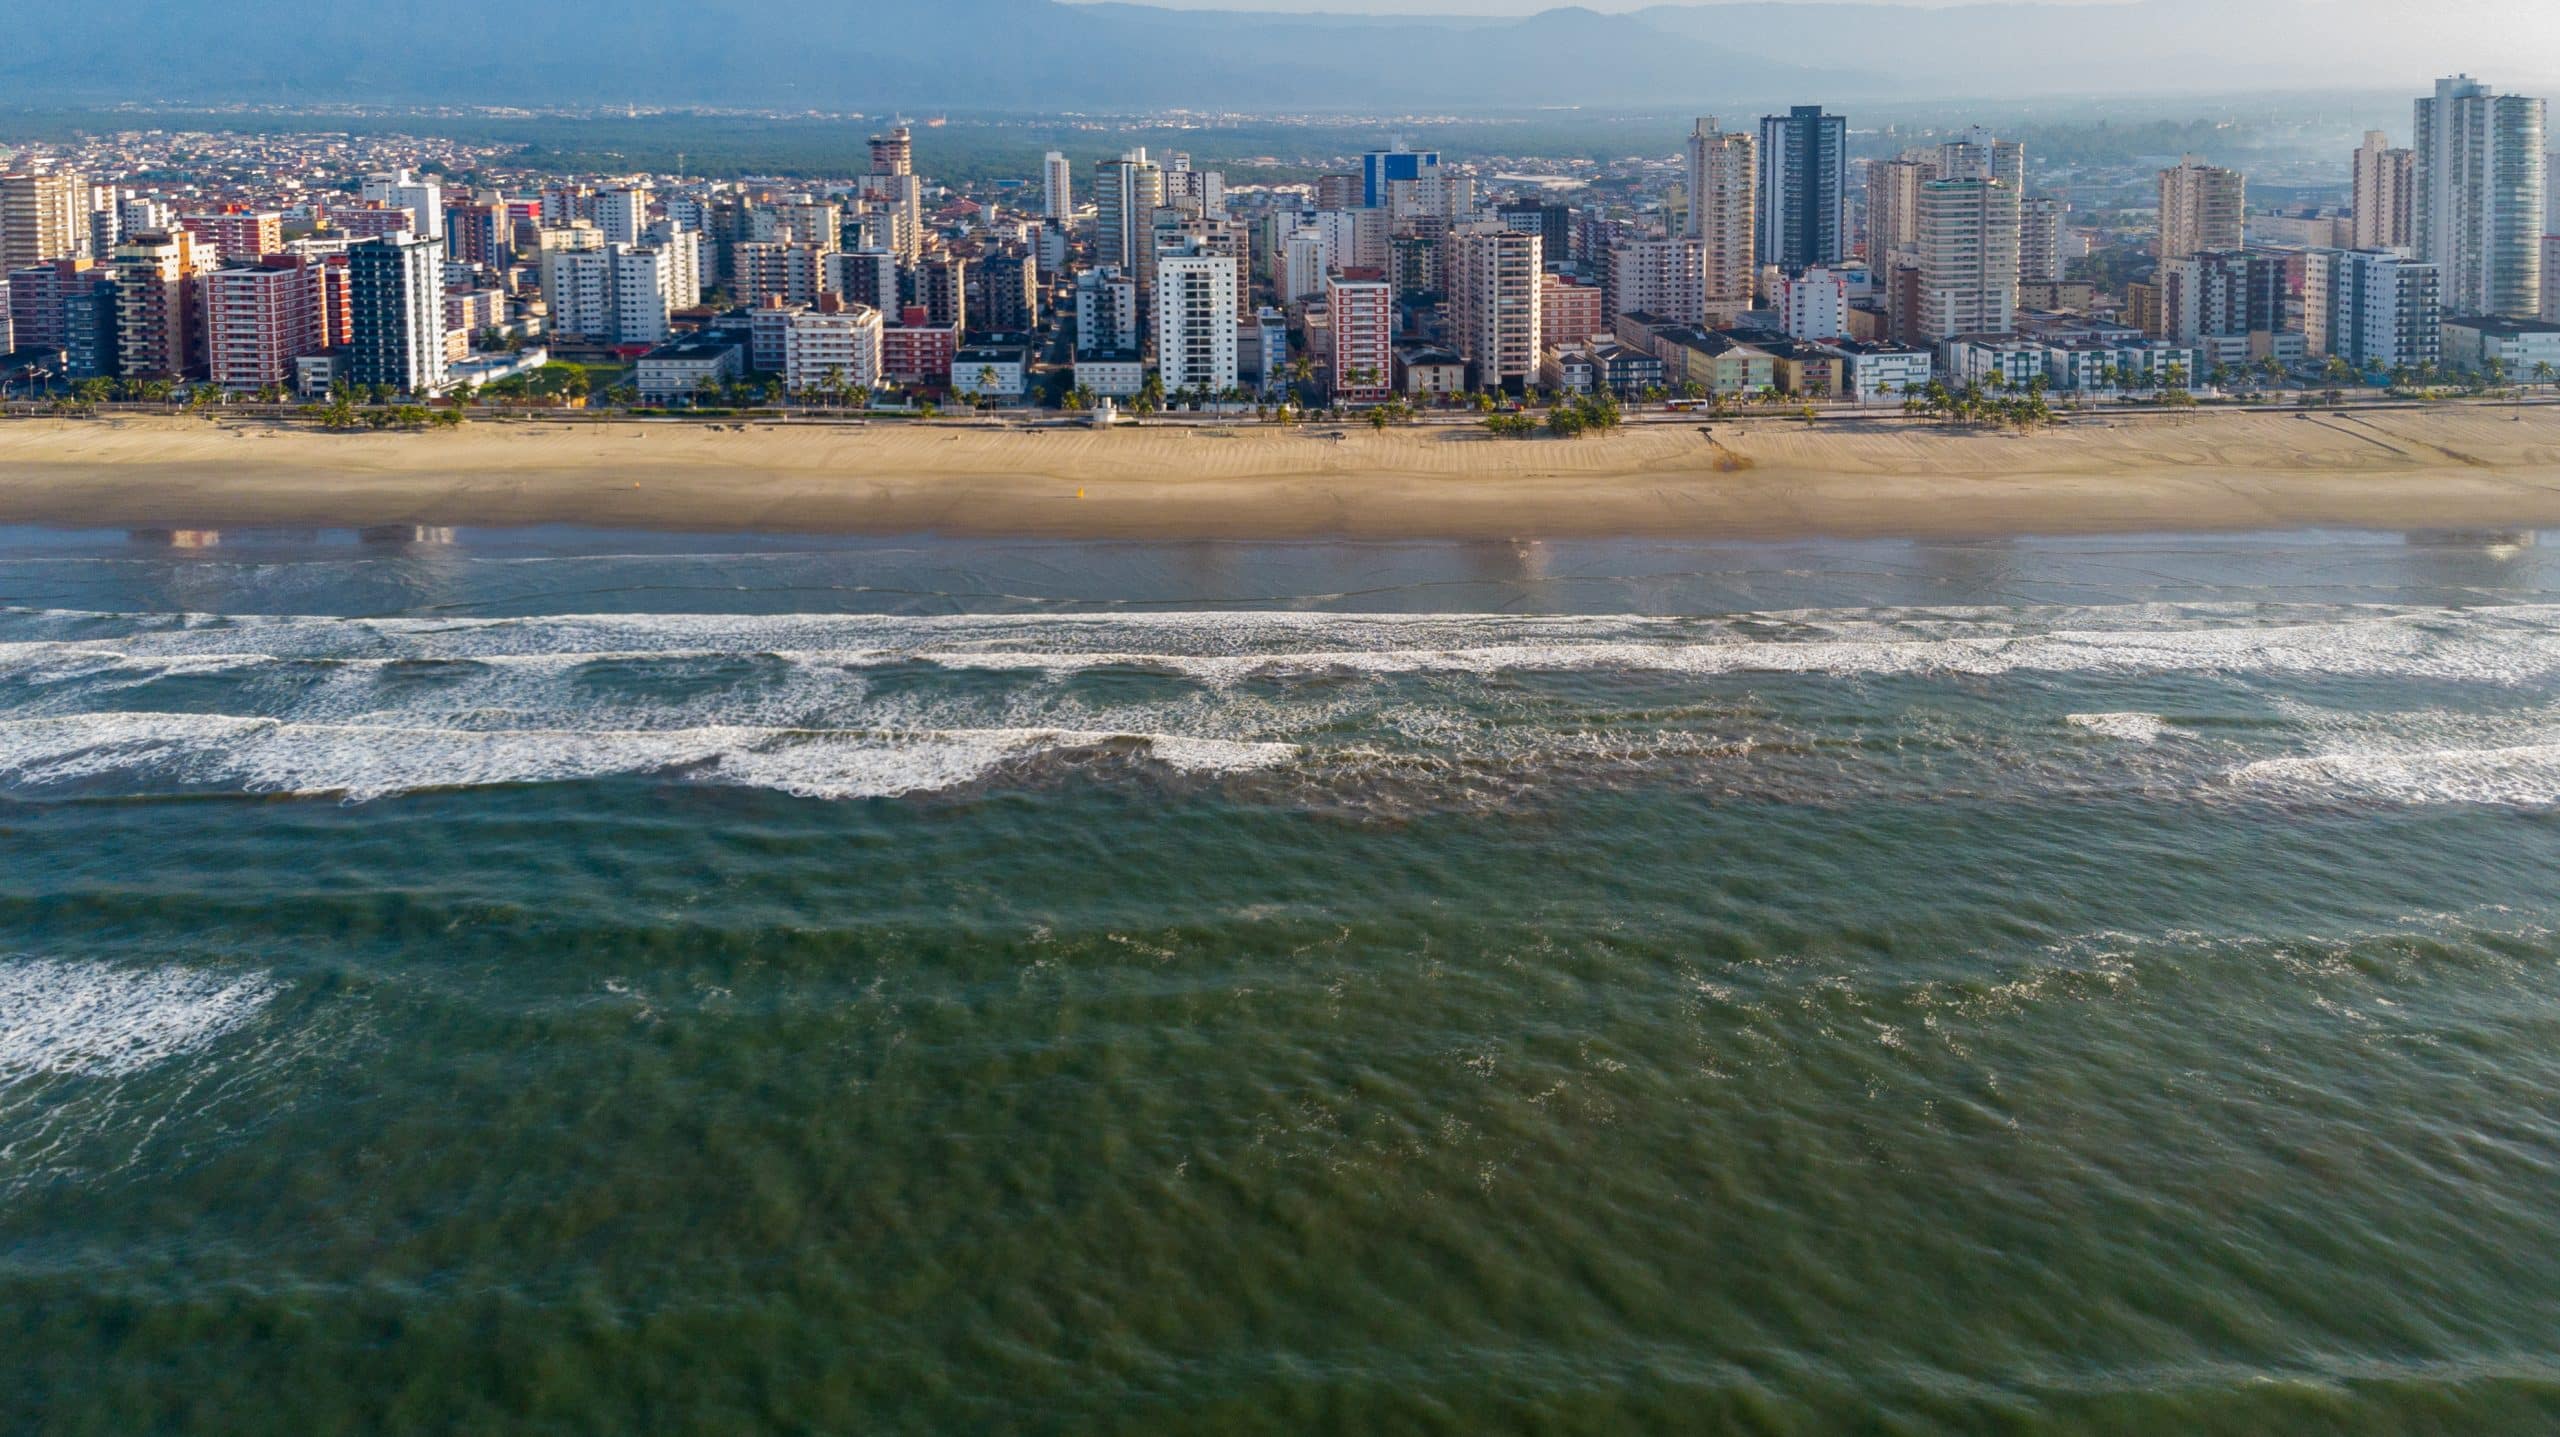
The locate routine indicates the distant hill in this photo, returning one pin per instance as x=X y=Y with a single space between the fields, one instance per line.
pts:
x=950 y=54
x=995 y=55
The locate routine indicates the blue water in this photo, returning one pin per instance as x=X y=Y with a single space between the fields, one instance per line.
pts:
x=582 y=982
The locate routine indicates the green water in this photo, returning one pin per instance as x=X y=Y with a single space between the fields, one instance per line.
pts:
x=2097 y=989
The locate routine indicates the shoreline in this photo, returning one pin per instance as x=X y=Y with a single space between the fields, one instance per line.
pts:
x=2459 y=467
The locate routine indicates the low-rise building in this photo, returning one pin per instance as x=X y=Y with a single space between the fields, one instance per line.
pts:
x=996 y=370
x=1875 y=372
x=1425 y=372
x=2521 y=346
x=674 y=372
x=1111 y=373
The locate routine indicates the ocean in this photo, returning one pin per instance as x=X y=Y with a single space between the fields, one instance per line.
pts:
x=563 y=981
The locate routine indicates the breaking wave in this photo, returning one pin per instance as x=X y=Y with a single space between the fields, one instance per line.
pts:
x=92 y=1020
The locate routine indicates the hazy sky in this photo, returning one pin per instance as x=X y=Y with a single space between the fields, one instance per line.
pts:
x=1493 y=7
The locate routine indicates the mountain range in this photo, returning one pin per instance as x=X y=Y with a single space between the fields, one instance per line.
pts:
x=993 y=55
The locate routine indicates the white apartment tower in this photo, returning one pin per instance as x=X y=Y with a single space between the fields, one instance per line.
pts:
x=2374 y=309
x=1057 y=188
x=1968 y=258
x=2040 y=239
x=2478 y=211
x=1195 y=321
x=1723 y=209
x=622 y=214
x=1665 y=278
x=1493 y=299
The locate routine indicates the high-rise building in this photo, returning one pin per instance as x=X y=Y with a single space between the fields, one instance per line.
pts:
x=1665 y=278
x=1978 y=154
x=1057 y=188
x=1493 y=301
x=2551 y=285
x=1968 y=258
x=1004 y=290
x=259 y=318
x=894 y=152
x=622 y=213
x=1569 y=311
x=1106 y=312
x=1361 y=307
x=1126 y=194
x=2479 y=208
x=2222 y=294
x=42 y=217
x=36 y=294
x=1306 y=257
x=1893 y=206
x=1211 y=234
x=1723 y=190
x=2040 y=240
x=2385 y=187
x=1804 y=212
x=766 y=274
x=2374 y=309
x=238 y=236
x=940 y=285
x=1381 y=168
x=396 y=297
x=865 y=276
x=1814 y=305
x=479 y=233
x=1195 y=321
x=423 y=198
x=2202 y=207
x=1339 y=192
x=1354 y=238
x=159 y=324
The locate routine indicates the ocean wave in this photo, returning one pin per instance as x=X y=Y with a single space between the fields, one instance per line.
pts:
x=366 y=761
x=94 y=1020
x=2131 y=727
x=2501 y=645
x=2525 y=776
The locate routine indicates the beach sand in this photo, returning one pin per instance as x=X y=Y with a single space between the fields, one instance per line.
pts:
x=2467 y=467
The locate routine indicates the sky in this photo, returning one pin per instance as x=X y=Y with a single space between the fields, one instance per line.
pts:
x=1485 y=7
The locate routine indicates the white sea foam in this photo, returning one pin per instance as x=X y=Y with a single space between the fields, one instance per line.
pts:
x=2504 y=644
x=90 y=1019
x=2131 y=727
x=2526 y=775
x=363 y=761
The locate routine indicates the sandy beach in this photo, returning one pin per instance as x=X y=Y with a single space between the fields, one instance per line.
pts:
x=2485 y=467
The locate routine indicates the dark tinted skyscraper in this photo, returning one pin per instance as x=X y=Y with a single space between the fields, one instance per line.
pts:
x=1803 y=189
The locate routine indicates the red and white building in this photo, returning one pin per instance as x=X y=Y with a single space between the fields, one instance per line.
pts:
x=915 y=352
x=373 y=221
x=259 y=318
x=1361 y=305
x=238 y=234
